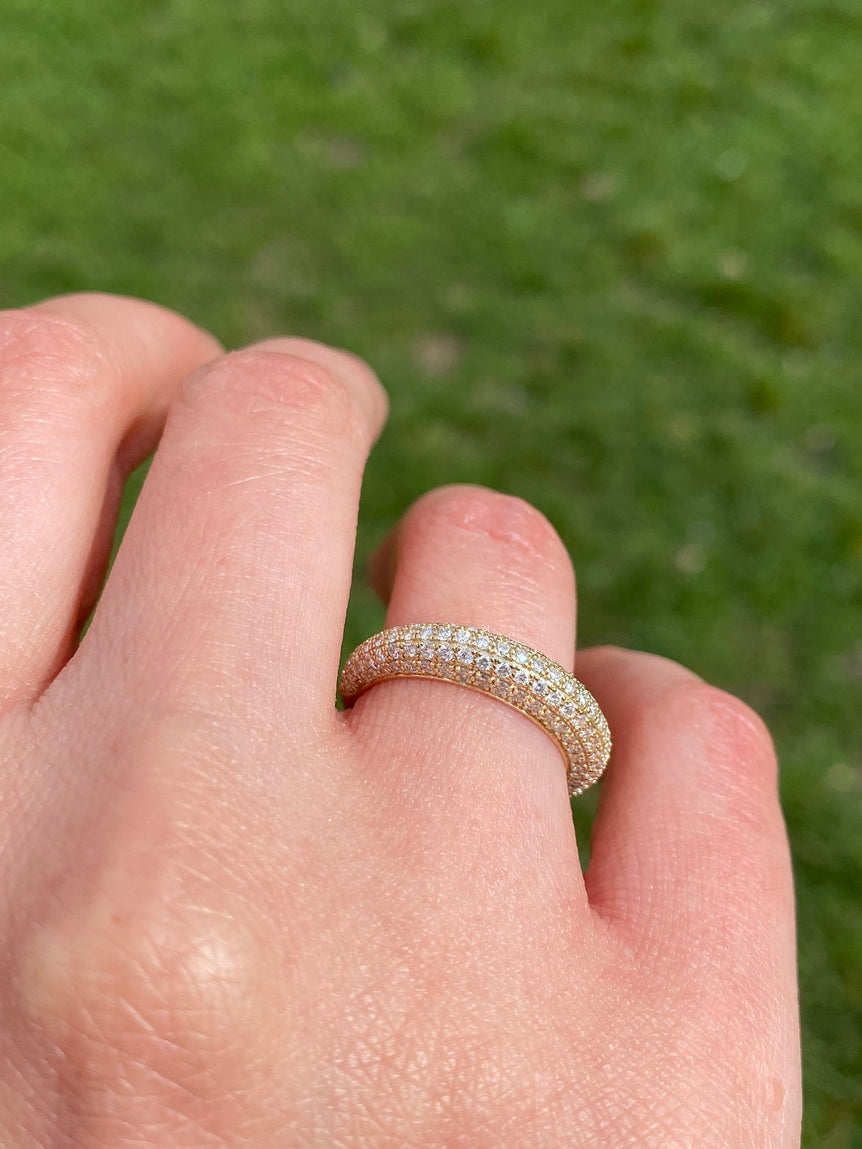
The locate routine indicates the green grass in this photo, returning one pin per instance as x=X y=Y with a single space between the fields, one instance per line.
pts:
x=608 y=257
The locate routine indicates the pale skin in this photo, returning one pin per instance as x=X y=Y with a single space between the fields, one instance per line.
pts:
x=235 y=916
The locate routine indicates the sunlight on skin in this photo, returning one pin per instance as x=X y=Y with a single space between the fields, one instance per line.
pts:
x=234 y=915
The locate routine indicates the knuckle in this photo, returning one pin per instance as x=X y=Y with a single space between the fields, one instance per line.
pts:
x=730 y=723
x=502 y=518
x=122 y=953
x=255 y=380
x=739 y=765
x=43 y=350
x=162 y=981
x=146 y=959
x=362 y=380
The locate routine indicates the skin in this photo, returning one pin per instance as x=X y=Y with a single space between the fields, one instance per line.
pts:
x=233 y=916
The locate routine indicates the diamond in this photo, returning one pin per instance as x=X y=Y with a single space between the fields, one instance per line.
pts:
x=514 y=672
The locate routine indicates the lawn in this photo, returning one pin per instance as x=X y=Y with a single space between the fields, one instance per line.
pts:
x=607 y=257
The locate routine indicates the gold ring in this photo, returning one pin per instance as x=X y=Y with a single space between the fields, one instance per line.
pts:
x=518 y=675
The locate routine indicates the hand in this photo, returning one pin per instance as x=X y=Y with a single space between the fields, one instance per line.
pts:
x=233 y=916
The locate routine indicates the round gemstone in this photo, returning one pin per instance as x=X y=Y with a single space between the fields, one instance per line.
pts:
x=555 y=698
x=445 y=654
x=462 y=635
x=465 y=656
x=409 y=650
x=555 y=674
x=522 y=657
x=426 y=651
x=504 y=669
x=483 y=642
x=427 y=632
x=538 y=666
x=568 y=711
x=521 y=677
x=444 y=633
x=503 y=648
x=539 y=687
x=394 y=651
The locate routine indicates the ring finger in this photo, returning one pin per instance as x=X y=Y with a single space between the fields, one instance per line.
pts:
x=471 y=556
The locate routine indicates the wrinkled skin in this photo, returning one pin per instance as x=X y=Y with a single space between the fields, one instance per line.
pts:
x=234 y=916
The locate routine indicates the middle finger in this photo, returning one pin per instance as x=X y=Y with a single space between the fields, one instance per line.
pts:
x=231 y=584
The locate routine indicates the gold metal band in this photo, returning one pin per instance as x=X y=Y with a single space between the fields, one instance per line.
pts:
x=518 y=675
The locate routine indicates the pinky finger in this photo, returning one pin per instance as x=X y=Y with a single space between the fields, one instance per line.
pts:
x=690 y=862
x=689 y=812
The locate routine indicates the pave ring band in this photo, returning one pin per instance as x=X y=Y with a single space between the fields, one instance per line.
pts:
x=518 y=675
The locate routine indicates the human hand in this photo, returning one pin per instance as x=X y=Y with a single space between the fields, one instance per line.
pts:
x=232 y=915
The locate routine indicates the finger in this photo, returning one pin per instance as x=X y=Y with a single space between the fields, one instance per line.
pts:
x=488 y=559
x=472 y=556
x=84 y=381
x=690 y=863
x=232 y=580
x=689 y=835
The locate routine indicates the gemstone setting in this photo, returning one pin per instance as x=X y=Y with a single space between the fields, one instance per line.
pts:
x=516 y=674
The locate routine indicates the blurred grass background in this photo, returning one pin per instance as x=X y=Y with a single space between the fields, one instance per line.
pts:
x=607 y=257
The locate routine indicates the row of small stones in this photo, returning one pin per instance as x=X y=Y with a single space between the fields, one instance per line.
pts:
x=412 y=646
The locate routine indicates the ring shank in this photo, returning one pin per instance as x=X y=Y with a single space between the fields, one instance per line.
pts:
x=493 y=664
